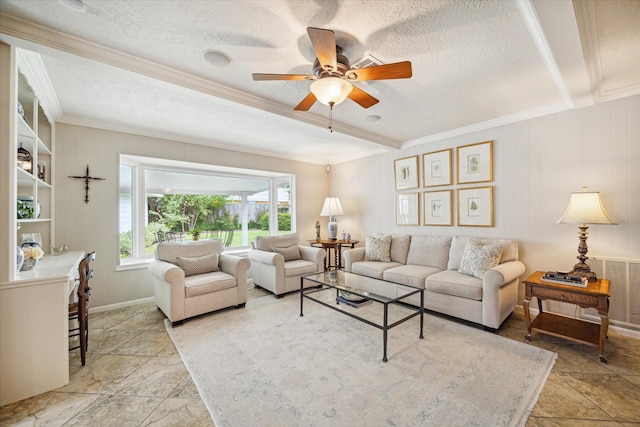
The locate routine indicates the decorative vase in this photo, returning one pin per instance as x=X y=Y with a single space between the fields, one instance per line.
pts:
x=19 y=258
x=29 y=264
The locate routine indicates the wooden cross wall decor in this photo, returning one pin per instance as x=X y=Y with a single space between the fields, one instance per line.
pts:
x=87 y=178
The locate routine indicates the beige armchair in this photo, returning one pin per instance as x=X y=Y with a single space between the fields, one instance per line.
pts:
x=194 y=278
x=277 y=262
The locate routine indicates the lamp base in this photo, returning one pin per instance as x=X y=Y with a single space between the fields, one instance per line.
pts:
x=332 y=228
x=583 y=269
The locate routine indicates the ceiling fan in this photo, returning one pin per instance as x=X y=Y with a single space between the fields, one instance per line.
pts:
x=332 y=74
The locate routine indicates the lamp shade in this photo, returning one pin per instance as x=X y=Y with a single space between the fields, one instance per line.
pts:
x=331 y=207
x=585 y=208
x=331 y=90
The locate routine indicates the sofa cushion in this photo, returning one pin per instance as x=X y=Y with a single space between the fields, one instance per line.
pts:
x=198 y=265
x=267 y=243
x=451 y=282
x=378 y=248
x=478 y=258
x=400 y=248
x=372 y=268
x=430 y=251
x=410 y=275
x=290 y=253
x=208 y=283
x=509 y=249
x=168 y=251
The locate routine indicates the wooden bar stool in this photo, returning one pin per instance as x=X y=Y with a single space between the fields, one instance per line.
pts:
x=79 y=311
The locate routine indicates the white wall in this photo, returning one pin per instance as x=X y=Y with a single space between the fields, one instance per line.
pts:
x=537 y=164
x=94 y=226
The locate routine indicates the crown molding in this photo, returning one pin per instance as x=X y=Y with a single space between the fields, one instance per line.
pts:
x=18 y=31
x=31 y=66
x=500 y=121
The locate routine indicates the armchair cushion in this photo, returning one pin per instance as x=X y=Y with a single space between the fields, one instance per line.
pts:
x=198 y=265
x=290 y=253
x=266 y=243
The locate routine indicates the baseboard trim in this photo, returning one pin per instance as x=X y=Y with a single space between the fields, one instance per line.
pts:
x=120 y=305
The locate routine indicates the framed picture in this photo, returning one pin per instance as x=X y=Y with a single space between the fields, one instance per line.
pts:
x=406 y=172
x=475 y=162
x=437 y=207
x=475 y=207
x=436 y=168
x=407 y=209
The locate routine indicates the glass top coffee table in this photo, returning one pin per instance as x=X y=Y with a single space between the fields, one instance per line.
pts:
x=353 y=287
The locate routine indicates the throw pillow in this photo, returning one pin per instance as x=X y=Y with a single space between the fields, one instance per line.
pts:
x=378 y=248
x=198 y=265
x=290 y=253
x=477 y=258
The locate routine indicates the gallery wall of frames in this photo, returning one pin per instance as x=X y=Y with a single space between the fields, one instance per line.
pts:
x=425 y=188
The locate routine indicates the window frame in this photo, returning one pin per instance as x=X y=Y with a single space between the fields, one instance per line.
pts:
x=139 y=197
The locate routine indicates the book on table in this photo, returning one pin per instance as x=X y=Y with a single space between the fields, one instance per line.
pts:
x=352 y=300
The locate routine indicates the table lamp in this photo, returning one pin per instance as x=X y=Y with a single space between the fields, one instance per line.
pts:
x=331 y=208
x=584 y=208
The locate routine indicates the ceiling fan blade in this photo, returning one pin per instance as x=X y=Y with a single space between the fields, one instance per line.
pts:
x=306 y=103
x=362 y=98
x=261 y=76
x=324 y=43
x=397 y=70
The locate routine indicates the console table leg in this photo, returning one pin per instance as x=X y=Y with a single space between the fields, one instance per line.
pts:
x=527 y=317
x=604 y=326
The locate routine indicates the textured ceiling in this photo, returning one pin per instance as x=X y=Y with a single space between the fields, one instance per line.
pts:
x=138 y=66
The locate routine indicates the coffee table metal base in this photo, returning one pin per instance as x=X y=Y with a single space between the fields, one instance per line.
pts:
x=308 y=292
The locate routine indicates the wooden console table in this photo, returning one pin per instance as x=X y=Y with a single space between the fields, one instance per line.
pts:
x=336 y=246
x=595 y=295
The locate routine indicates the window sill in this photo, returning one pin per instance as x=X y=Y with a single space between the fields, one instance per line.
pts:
x=136 y=264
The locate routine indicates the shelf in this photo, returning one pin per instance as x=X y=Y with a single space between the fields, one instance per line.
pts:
x=28 y=138
x=567 y=327
x=32 y=220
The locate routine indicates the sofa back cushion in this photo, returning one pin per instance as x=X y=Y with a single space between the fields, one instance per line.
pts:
x=458 y=243
x=430 y=251
x=400 y=248
x=267 y=243
x=169 y=251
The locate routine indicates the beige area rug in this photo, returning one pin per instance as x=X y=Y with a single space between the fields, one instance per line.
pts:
x=264 y=365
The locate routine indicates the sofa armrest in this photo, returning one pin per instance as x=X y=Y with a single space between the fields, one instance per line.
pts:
x=237 y=267
x=352 y=255
x=315 y=255
x=167 y=272
x=168 y=288
x=502 y=274
x=264 y=257
x=234 y=265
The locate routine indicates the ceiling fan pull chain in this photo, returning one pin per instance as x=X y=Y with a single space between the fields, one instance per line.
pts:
x=331 y=116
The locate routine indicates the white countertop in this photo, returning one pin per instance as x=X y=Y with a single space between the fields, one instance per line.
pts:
x=50 y=268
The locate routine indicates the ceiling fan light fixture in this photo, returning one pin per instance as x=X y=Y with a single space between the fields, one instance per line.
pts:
x=331 y=90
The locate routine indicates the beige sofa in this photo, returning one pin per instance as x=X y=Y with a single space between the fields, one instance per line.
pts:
x=433 y=263
x=277 y=262
x=194 y=278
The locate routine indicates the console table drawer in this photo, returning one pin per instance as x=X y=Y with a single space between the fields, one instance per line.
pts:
x=564 y=296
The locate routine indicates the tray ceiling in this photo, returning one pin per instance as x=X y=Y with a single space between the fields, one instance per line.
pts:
x=138 y=66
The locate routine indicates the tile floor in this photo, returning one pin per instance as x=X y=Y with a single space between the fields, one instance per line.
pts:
x=135 y=377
